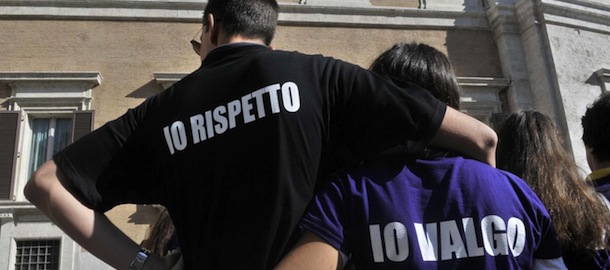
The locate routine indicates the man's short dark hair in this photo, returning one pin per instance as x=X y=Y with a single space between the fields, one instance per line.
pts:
x=596 y=127
x=248 y=18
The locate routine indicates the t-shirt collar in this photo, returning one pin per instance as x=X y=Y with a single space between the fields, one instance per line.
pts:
x=597 y=174
x=219 y=52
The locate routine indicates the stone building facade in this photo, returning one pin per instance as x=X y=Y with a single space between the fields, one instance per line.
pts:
x=68 y=67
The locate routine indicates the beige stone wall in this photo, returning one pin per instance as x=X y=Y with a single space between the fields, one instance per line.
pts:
x=125 y=53
x=128 y=53
x=134 y=220
x=473 y=53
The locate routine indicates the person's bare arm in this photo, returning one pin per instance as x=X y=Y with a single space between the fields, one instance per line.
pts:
x=92 y=230
x=311 y=252
x=466 y=135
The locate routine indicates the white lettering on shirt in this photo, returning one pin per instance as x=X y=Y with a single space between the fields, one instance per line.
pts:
x=448 y=239
x=249 y=108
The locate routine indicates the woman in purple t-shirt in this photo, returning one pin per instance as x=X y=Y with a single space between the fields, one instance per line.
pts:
x=436 y=211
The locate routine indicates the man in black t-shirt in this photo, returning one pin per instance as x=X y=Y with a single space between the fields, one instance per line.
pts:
x=233 y=150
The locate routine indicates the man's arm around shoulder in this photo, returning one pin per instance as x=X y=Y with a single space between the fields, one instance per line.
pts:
x=467 y=135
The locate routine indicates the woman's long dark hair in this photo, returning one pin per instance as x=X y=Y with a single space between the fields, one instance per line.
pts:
x=160 y=234
x=422 y=65
x=531 y=147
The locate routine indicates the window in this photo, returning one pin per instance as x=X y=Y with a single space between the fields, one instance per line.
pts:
x=32 y=137
x=480 y=96
x=46 y=112
x=37 y=254
x=49 y=135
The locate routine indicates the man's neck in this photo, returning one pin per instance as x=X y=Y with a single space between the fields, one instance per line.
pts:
x=600 y=165
x=239 y=39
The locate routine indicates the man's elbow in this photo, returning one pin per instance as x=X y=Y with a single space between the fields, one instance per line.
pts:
x=38 y=187
x=33 y=190
x=490 y=143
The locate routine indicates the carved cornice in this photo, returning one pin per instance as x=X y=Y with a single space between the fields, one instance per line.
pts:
x=166 y=79
x=92 y=78
x=16 y=211
x=382 y=17
x=290 y=13
x=503 y=18
x=73 y=88
x=576 y=14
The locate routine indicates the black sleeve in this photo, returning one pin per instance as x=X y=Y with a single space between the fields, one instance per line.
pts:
x=109 y=166
x=374 y=114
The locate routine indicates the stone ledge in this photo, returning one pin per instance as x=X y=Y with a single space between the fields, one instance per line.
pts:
x=577 y=14
x=94 y=78
x=290 y=14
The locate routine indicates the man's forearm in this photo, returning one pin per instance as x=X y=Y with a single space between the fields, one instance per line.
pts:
x=91 y=230
x=311 y=252
x=468 y=136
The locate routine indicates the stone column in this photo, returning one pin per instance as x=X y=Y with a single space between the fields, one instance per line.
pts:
x=545 y=95
x=503 y=21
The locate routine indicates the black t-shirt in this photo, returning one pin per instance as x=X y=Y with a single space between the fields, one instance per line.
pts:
x=234 y=149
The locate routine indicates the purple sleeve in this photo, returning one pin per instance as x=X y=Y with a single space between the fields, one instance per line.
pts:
x=325 y=216
x=549 y=247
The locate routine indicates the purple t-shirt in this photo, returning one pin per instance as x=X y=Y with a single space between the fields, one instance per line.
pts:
x=445 y=213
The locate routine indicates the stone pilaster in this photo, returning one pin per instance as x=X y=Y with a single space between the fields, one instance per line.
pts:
x=503 y=21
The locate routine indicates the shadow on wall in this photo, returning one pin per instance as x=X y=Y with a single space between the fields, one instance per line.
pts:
x=593 y=80
x=597 y=79
x=5 y=93
x=144 y=214
x=473 y=53
x=147 y=90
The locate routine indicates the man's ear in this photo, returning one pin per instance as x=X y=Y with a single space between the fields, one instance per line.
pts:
x=213 y=29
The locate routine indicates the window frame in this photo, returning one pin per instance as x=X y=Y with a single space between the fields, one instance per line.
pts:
x=26 y=130
x=480 y=97
x=44 y=94
x=57 y=254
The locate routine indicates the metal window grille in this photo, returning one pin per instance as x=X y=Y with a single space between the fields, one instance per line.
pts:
x=37 y=255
